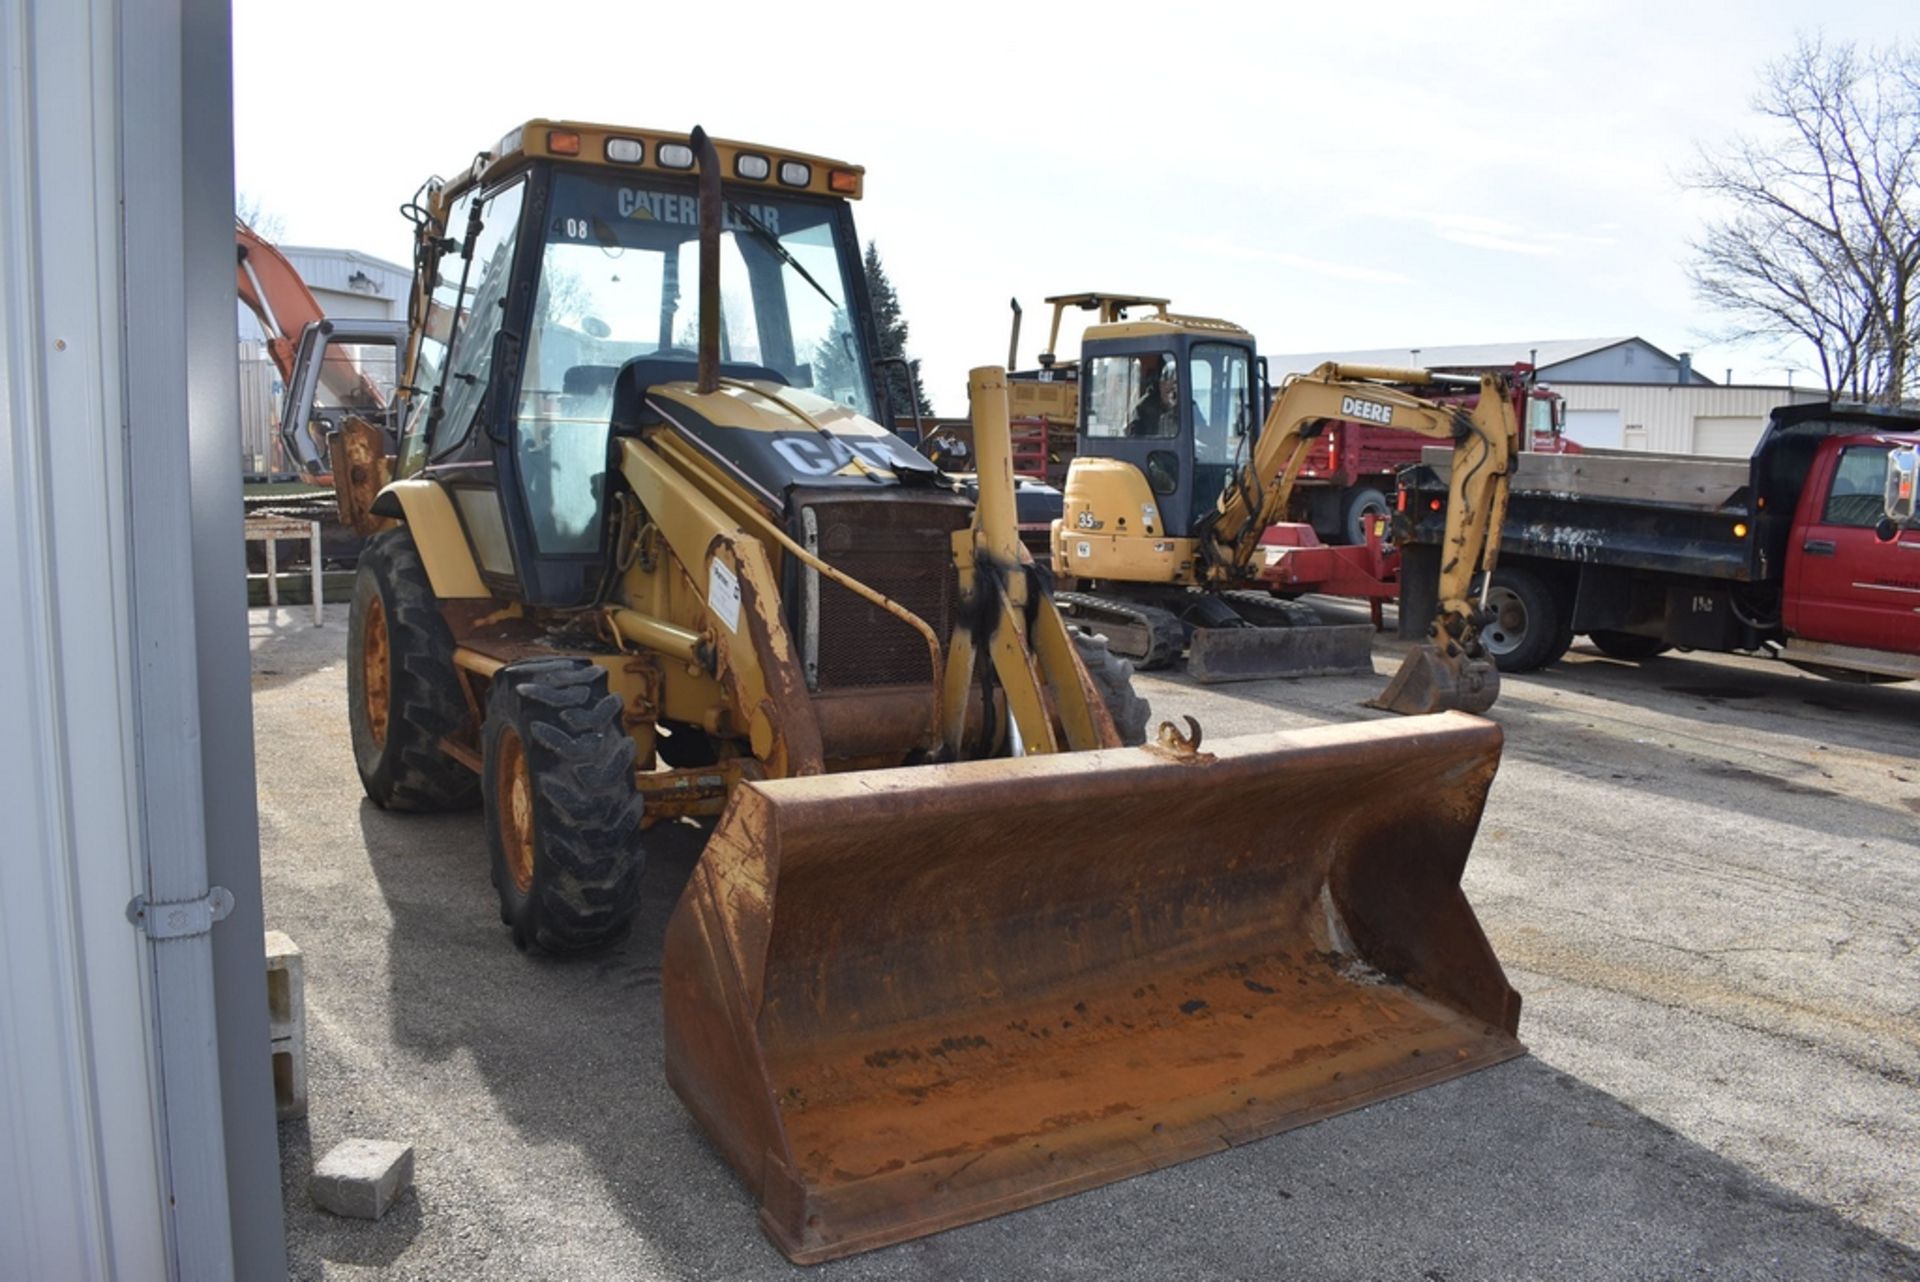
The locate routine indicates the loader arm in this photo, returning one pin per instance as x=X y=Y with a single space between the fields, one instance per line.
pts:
x=1484 y=441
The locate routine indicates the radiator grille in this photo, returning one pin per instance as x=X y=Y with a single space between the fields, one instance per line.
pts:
x=902 y=551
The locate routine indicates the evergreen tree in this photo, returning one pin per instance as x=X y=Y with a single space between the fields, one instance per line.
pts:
x=902 y=392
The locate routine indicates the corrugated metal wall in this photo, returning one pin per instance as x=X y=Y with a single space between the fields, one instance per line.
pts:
x=260 y=393
x=1666 y=418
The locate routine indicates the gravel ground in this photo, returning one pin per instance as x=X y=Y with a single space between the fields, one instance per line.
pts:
x=1702 y=873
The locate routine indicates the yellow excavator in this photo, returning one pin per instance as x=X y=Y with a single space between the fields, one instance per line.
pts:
x=952 y=948
x=1171 y=490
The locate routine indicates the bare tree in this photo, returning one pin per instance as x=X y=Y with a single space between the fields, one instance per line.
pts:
x=1823 y=244
x=250 y=210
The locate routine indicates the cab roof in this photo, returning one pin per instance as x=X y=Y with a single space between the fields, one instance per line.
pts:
x=579 y=143
x=1167 y=324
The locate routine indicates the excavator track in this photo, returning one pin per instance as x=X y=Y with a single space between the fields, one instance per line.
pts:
x=1146 y=634
x=1270 y=611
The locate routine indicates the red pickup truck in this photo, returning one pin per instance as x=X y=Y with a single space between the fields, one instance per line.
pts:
x=1809 y=551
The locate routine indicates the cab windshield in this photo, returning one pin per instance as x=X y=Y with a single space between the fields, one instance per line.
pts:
x=620 y=278
x=1222 y=400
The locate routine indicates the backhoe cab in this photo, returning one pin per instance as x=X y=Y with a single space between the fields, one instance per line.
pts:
x=952 y=948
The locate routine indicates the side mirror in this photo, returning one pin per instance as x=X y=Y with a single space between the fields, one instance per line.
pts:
x=1903 y=466
x=885 y=388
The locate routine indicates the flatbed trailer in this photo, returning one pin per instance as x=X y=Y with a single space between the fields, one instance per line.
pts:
x=1802 y=552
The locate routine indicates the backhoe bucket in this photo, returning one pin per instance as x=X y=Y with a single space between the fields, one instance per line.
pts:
x=903 y=1000
x=1429 y=681
x=1215 y=655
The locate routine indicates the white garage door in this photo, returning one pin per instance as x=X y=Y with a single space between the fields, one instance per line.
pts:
x=1730 y=437
x=1598 y=428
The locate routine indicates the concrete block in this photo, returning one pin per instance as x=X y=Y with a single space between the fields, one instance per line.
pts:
x=286 y=988
x=361 y=1178
x=287 y=1024
x=290 y=1079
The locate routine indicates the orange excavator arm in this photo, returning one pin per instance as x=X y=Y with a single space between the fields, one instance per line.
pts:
x=274 y=292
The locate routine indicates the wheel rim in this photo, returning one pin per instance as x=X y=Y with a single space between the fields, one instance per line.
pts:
x=376 y=669
x=1508 y=627
x=514 y=787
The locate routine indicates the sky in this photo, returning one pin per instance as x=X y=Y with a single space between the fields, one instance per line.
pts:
x=1332 y=177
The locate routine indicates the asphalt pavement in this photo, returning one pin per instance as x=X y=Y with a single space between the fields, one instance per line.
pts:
x=1702 y=873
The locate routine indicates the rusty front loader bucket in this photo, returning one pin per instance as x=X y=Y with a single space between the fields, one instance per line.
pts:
x=1215 y=655
x=1430 y=680
x=903 y=1000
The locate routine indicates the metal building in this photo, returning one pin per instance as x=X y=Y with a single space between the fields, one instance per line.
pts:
x=1621 y=393
x=137 y=1133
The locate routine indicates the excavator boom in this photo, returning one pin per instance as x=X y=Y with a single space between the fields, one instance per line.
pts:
x=1448 y=670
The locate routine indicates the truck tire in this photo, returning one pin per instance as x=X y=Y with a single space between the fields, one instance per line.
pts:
x=403 y=695
x=1357 y=506
x=562 y=808
x=1113 y=678
x=1627 y=645
x=1525 y=631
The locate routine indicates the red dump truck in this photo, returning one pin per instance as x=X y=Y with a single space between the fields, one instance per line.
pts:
x=1809 y=551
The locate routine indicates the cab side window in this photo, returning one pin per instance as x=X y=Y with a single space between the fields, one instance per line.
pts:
x=1135 y=396
x=1858 y=496
x=474 y=317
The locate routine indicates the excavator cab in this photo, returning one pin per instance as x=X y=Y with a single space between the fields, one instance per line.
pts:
x=1176 y=405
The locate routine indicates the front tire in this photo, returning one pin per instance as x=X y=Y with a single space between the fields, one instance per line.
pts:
x=1113 y=678
x=403 y=694
x=562 y=807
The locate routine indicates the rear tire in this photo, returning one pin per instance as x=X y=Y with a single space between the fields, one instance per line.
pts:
x=403 y=694
x=563 y=810
x=1627 y=645
x=1357 y=506
x=1525 y=631
x=1113 y=678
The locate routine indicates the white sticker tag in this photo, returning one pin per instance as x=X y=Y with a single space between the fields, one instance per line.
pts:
x=1147 y=514
x=723 y=593
x=1083 y=550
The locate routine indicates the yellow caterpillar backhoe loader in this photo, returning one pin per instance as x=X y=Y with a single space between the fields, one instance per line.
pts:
x=1163 y=529
x=952 y=949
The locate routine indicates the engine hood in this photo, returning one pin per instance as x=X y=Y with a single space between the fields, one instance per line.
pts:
x=775 y=437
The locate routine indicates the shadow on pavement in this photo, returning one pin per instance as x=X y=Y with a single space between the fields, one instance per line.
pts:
x=1516 y=1172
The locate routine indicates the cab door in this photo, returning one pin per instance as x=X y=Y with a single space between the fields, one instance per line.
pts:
x=454 y=427
x=1846 y=585
x=1131 y=408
